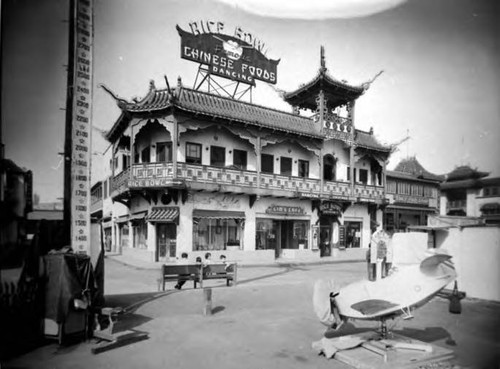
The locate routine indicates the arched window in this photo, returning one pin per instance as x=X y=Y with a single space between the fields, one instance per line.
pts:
x=329 y=168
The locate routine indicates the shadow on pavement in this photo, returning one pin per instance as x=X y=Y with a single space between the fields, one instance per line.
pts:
x=346 y=329
x=218 y=309
x=130 y=302
x=265 y=276
x=429 y=334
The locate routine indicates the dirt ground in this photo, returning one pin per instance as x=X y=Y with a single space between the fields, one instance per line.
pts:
x=266 y=321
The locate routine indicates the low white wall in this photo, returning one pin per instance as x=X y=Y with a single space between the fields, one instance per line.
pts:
x=302 y=255
x=476 y=254
x=352 y=254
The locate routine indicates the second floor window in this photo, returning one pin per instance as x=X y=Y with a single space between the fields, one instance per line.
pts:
x=217 y=156
x=267 y=163
x=164 y=152
x=303 y=168
x=286 y=166
x=146 y=155
x=240 y=159
x=193 y=153
x=126 y=161
x=363 y=176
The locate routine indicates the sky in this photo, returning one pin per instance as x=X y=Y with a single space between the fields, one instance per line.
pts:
x=440 y=83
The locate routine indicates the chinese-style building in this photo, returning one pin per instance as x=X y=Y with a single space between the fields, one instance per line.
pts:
x=468 y=192
x=413 y=195
x=201 y=172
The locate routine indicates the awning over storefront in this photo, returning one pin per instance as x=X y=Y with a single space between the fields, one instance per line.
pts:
x=136 y=217
x=412 y=208
x=492 y=207
x=122 y=219
x=164 y=214
x=218 y=214
x=106 y=224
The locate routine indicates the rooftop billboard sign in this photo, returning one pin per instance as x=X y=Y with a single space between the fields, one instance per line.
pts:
x=239 y=57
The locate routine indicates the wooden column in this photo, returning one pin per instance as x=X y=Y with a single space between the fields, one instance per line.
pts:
x=258 y=152
x=322 y=180
x=175 y=143
x=351 y=108
x=207 y=301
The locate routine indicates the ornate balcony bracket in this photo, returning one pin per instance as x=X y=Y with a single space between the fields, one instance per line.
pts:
x=252 y=199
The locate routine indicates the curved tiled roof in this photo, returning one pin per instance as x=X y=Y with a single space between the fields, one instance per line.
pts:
x=226 y=108
x=412 y=166
x=368 y=141
x=337 y=92
x=203 y=103
x=464 y=172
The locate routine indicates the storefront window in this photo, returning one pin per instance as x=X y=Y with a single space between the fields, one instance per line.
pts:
x=278 y=234
x=353 y=234
x=124 y=235
x=266 y=234
x=300 y=234
x=140 y=234
x=217 y=234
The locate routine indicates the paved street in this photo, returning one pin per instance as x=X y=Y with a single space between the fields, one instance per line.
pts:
x=266 y=321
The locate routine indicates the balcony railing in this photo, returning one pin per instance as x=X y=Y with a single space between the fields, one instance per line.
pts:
x=457 y=205
x=96 y=204
x=157 y=175
x=119 y=183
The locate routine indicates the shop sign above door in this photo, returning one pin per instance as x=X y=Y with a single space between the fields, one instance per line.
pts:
x=284 y=210
x=330 y=208
x=239 y=57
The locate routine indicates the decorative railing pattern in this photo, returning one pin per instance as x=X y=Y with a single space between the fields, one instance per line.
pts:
x=96 y=205
x=222 y=176
x=457 y=204
x=119 y=183
x=162 y=174
x=368 y=192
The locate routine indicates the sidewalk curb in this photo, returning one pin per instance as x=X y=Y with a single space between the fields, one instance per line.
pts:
x=290 y=264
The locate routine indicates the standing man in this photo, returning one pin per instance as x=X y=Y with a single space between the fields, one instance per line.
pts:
x=378 y=251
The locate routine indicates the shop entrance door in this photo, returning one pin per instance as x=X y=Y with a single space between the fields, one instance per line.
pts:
x=166 y=241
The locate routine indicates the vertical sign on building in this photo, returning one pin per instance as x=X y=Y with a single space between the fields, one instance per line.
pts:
x=81 y=126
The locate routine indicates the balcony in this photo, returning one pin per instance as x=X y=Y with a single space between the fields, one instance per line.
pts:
x=96 y=204
x=457 y=205
x=216 y=179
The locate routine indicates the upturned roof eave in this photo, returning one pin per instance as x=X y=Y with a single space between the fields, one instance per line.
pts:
x=320 y=81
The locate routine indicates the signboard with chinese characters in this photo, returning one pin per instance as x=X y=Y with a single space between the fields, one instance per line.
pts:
x=81 y=128
x=239 y=57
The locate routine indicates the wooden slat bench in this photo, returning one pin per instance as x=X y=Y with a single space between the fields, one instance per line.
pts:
x=221 y=271
x=188 y=272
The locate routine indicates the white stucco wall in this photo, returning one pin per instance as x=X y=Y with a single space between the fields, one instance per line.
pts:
x=476 y=254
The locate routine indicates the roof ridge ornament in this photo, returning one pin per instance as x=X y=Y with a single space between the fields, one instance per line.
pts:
x=322 y=60
x=367 y=84
x=119 y=101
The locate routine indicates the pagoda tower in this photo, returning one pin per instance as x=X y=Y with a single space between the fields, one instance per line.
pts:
x=333 y=105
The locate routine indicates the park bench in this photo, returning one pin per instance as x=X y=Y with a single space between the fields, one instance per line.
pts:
x=188 y=272
x=221 y=271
